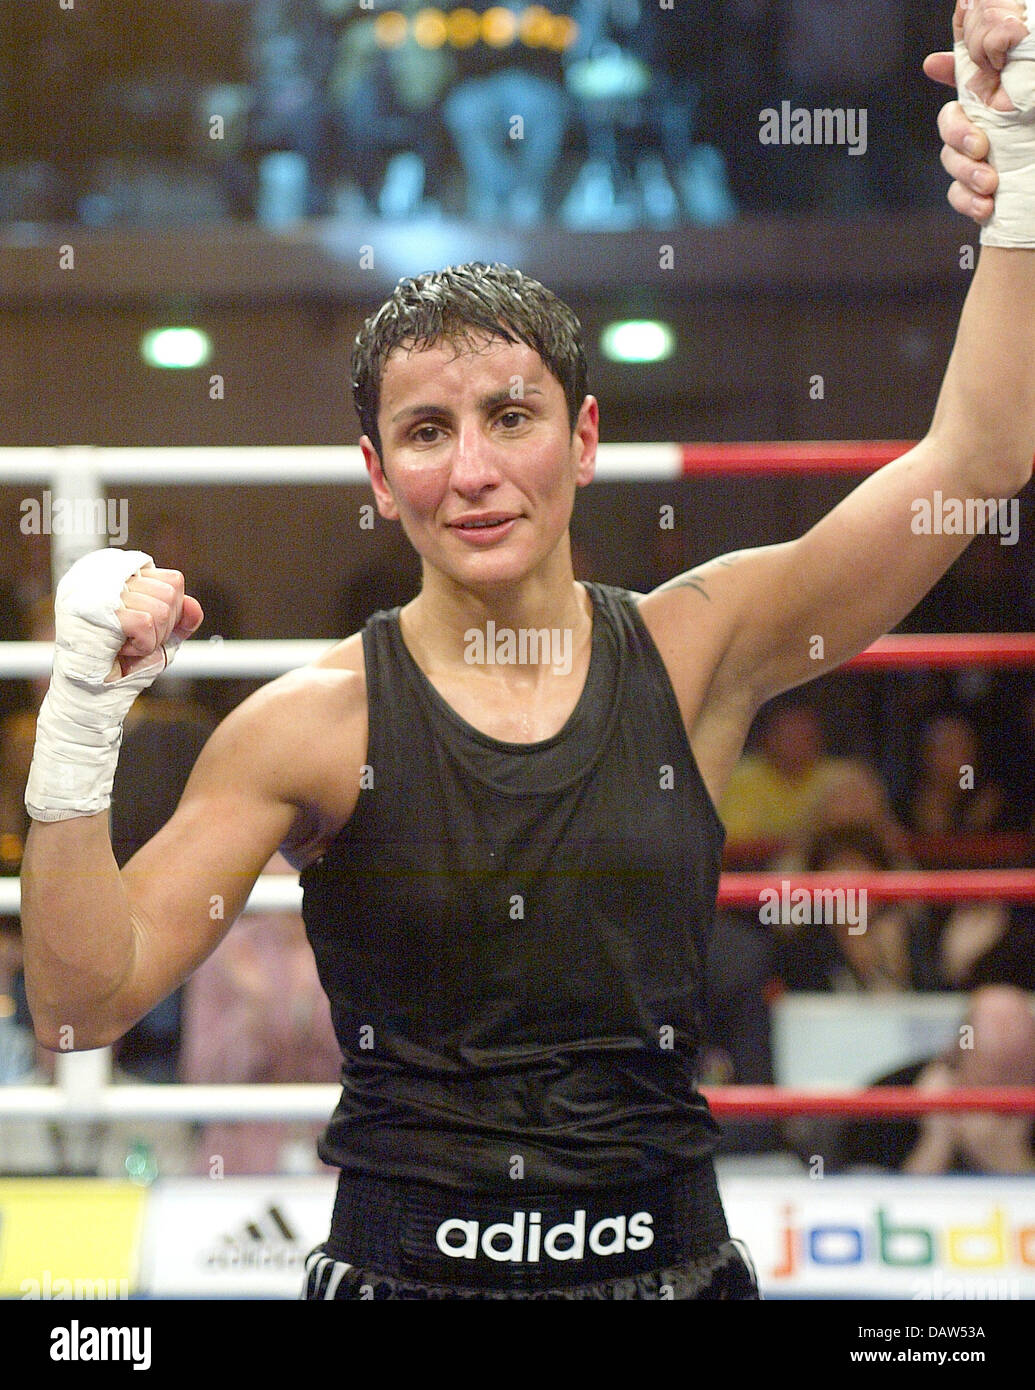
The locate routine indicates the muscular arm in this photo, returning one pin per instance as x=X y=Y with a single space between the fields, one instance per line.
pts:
x=101 y=946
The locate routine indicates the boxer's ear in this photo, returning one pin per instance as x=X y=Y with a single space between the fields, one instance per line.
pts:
x=378 y=480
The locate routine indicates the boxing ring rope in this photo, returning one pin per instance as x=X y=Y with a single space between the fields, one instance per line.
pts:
x=320 y=463
x=272 y=657
x=84 y=1090
x=282 y=893
x=315 y=1101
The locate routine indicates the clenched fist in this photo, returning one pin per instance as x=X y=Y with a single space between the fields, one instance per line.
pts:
x=154 y=610
x=989 y=30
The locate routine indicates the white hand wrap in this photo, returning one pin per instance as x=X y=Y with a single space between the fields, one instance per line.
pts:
x=1011 y=136
x=79 y=728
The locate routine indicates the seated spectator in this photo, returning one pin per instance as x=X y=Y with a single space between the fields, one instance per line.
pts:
x=948 y=791
x=636 y=75
x=772 y=786
x=854 y=795
x=289 y=51
x=255 y=1011
x=978 y=943
x=505 y=78
x=384 y=107
x=1000 y=1051
x=836 y=956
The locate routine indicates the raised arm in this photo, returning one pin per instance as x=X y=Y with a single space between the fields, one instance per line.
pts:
x=102 y=947
x=787 y=613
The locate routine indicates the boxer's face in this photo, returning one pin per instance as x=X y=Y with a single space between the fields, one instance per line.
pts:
x=479 y=432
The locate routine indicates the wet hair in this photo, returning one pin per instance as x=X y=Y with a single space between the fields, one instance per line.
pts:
x=457 y=305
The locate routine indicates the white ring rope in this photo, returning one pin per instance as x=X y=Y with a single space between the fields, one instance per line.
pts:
x=272 y=893
x=283 y=1101
x=271 y=464
x=196 y=658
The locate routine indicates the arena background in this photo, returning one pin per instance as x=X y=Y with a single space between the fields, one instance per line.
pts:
x=812 y=296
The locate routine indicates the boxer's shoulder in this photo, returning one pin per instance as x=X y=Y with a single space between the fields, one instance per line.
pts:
x=328 y=691
x=301 y=733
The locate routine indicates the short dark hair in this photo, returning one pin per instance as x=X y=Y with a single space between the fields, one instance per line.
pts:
x=457 y=304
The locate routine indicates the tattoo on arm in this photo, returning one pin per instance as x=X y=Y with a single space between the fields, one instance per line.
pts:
x=694 y=579
x=689 y=581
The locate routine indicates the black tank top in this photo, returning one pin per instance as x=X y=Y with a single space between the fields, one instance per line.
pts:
x=512 y=935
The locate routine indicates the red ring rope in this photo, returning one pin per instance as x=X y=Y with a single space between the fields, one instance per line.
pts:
x=820 y=456
x=948 y=650
x=776 y=1102
x=929 y=885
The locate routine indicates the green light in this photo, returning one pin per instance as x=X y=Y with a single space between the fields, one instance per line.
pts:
x=140 y=1163
x=638 y=340
x=176 y=348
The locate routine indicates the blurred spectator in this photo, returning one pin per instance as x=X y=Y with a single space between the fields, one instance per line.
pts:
x=636 y=75
x=255 y=1011
x=771 y=787
x=508 y=113
x=836 y=956
x=227 y=155
x=948 y=790
x=384 y=105
x=290 y=52
x=979 y=943
x=990 y=588
x=966 y=944
x=1000 y=1051
x=853 y=795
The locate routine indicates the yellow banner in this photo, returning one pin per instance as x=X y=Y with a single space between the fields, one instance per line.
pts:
x=69 y=1238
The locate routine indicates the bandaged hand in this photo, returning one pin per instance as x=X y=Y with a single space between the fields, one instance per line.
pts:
x=118 y=624
x=1011 y=133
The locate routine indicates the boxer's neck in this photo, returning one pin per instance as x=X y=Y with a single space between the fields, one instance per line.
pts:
x=444 y=623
